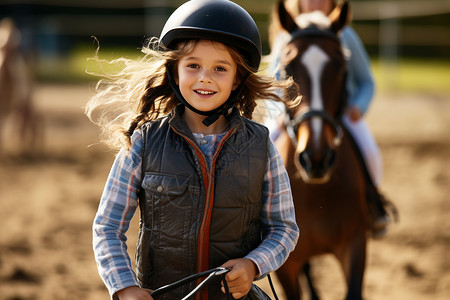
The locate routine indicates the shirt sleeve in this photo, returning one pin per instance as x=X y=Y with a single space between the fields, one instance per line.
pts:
x=117 y=207
x=280 y=230
x=360 y=82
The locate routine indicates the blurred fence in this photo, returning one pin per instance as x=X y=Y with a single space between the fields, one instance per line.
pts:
x=53 y=28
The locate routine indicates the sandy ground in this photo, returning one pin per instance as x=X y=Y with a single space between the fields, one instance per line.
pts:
x=48 y=201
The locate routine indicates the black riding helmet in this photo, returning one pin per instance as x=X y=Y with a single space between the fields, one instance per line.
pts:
x=217 y=20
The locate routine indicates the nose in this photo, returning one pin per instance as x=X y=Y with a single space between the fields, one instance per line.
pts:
x=317 y=168
x=205 y=76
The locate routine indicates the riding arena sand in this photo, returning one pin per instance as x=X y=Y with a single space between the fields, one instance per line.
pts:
x=49 y=194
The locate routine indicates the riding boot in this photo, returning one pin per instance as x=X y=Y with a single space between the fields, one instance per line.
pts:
x=381 y=212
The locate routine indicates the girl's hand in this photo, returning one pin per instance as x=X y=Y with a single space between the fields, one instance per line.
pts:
x=240 y=278
x=134 y=293
x=354 y=113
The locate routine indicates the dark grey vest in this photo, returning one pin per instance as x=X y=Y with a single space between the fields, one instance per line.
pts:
x=192 y=218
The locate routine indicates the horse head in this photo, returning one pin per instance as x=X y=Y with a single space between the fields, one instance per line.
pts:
x=313 y=57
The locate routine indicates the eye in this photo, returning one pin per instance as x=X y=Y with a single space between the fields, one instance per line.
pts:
x=193 y=66
x=221 y=69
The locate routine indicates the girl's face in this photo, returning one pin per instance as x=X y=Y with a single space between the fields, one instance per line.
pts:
x=207 y=75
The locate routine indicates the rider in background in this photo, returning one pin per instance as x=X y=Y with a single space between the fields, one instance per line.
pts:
x=360 y=91
x=211 y=187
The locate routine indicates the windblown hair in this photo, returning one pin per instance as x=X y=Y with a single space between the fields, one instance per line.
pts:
x=140 y=91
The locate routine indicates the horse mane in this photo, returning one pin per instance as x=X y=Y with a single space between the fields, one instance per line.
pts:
x=303 y=19
x=315 y=18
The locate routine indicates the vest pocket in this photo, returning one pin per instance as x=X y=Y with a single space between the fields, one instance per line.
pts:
x=167 y=200
x=169 y=188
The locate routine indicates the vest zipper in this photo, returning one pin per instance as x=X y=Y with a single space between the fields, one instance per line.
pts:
x=208 y=181
x=203 y=240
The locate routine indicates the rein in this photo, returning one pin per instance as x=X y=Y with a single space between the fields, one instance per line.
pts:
x=220 y=272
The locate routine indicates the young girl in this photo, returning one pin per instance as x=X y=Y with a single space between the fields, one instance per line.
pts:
x=211 y=187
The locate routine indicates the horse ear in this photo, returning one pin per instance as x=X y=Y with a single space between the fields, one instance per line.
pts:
x=286 y=20
x=340 y=16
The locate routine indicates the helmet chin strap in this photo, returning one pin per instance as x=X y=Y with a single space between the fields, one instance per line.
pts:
x=212 y=115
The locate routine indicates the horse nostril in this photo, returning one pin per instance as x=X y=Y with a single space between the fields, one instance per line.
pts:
x=330 y=159
x=305 y=160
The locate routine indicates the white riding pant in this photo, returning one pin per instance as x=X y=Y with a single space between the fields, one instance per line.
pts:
x=368 y=147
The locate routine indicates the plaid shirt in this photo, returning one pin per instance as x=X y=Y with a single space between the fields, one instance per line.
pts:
x=120 y=200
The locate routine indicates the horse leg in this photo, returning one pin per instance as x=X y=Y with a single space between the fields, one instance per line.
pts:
x=312 y=289
x=353 y=262
x=288 y=275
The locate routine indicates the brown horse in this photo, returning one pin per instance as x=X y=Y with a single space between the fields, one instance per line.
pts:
x=327 y=177
x=16 y=89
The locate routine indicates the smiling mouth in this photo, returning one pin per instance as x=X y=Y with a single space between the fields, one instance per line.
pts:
x=204 y=92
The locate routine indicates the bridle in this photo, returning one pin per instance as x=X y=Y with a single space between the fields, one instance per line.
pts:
x=293 y=122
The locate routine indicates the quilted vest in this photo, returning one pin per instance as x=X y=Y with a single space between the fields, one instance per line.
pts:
x=192 y=218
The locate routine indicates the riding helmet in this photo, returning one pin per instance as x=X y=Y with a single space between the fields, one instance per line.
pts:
x=217 y=20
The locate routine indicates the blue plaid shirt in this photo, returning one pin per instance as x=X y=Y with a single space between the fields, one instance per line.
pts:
x=120 y=200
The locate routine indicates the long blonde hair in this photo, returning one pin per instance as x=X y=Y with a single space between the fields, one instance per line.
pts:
x=140 y=91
